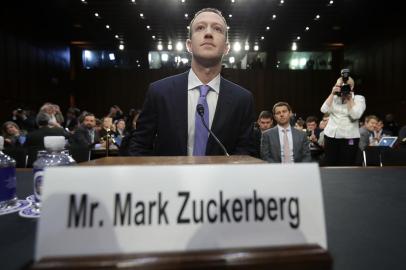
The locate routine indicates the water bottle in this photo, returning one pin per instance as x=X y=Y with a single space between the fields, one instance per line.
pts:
x=55 y=155
x=8 y=181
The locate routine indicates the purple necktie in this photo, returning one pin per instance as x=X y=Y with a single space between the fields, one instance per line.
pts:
x=201 y=133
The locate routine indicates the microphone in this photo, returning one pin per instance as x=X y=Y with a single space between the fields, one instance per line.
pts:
x=200 y=111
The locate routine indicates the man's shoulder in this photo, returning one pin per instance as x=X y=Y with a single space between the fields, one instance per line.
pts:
x=165 y=82
x=271 y=131
x=234 y=87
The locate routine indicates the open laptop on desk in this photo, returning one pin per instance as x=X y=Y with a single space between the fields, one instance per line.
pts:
x=388 y=141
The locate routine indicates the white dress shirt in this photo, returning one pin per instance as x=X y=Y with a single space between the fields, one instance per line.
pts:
x=193 y=97
x=343 y=123
x=281 y=141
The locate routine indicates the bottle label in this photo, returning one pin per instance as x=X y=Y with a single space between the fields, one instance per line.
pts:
x=8 y=183
x=38 y=179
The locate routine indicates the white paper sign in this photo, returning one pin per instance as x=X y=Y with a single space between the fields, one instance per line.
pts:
x=131 y=209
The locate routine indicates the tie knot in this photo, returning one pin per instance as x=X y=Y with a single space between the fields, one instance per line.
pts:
x=285 y=130
x=204 y=89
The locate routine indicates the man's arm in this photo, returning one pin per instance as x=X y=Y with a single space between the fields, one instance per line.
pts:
x=266 y=153
x=306 y=156
x=245 y=145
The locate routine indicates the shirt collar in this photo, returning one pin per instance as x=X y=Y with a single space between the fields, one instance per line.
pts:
x=281 y=128
x=194 y=82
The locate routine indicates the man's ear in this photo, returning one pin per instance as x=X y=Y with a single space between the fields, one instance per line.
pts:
x=189 y=45
x=227 y=48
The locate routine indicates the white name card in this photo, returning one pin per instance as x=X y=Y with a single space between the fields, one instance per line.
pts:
x=132 y=209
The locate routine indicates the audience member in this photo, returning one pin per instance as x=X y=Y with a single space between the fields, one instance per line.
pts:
x=367 y=132
x=13 y=136
x=283 y=143
x=390 y=126
x=85 y=135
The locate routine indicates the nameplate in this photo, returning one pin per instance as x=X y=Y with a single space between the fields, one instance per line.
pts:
x=137 y=209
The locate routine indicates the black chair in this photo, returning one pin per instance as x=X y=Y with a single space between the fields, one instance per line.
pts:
x=393 y=157
x=19 y=154
x=79 y=154
x=371 y=156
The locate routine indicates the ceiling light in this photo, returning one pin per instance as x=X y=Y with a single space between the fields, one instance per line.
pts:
x=142 y=15
x=247 y=47
x=331 y=2
x=232 y=1
x=237 y=47
x=298 y=38
x=317 y=17
x=96 y=14
x=148 y=27
x=262 y=37
x=133 y=1
x=170 y=47
x=153 y=37
x=186 y=15
x=294 y=46
x=121 y=47
x=281 y=2
x=228 y=27
x=273 y=16
x=112 y=57
x=307 y=28
x=107 y=26
x=231 y=59
x=116 y=36
x=188 y=27
x=179 y=46
x=230 y=15
x=159 y=47
x=256 y=47
x=267 y=28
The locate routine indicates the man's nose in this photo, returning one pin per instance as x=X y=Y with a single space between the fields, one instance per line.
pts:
x=208 y=33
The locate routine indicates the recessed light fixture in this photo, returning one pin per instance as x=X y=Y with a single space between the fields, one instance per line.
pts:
x=153 y=37
x=230 y=15
x=148 y=27
x=267 y=28
x=317 y=17
x=142 y=15
x=262 y=37
x=121 y=47
x=186 y=15
x=298 y=38
x=273 y=16
x=307 y=28
x=97 y=15
x=256 y=47
x=107 y=26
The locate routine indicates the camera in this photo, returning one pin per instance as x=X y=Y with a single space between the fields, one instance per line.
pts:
x=345 y=88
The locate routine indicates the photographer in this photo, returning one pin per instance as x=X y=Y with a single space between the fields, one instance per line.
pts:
x=341 y=135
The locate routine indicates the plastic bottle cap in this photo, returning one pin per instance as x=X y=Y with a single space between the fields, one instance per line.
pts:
x=54 y=143
x=1 y=143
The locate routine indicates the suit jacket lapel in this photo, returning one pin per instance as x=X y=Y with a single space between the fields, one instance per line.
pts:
x=221 y=115
x=180 y=108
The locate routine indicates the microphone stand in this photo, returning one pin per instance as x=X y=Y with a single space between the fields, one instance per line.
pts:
x=201 y=113
x=107 y=142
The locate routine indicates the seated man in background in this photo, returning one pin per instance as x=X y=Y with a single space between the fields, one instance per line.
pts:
x=263 y=123
x=283 y=143
x=367 y=132
x=35 y=139
x=85 y=135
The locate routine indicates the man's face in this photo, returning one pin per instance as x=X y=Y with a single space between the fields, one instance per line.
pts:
x=371 y=124
x=264 y=123
x=89 y=122
x=208 y=41
x=323 y=122
x=282 y=115
x=311 y=126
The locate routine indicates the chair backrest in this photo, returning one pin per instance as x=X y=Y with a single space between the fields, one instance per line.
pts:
x=79 y=154
x=394 y=157
x=19 y=154
x=372 y=156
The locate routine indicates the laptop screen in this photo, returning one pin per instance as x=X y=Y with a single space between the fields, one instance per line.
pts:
x=387 y=141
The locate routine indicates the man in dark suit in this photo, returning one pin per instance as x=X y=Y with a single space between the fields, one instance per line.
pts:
x=85 y=135
x=35 y=139
x=169 y=125
x=283 y=143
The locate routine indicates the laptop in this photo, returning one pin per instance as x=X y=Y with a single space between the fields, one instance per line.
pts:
x=388 y=141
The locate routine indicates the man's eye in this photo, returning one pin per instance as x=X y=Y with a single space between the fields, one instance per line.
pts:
x=200 y=27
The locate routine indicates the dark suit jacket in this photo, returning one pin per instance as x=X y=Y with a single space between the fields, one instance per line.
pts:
x=271 y=147
x=81 y=138
x=35 y=139
x=162 y=125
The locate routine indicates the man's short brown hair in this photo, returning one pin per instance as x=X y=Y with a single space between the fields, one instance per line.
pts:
x=280 y=104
